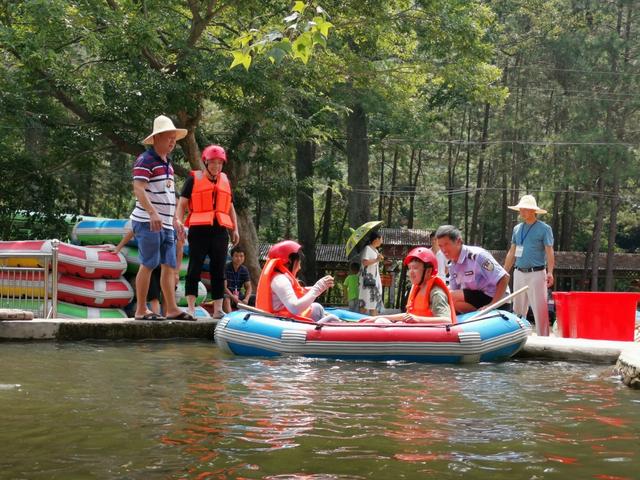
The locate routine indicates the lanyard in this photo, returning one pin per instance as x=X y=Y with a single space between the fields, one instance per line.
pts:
x=523 y=236
x=236 y=278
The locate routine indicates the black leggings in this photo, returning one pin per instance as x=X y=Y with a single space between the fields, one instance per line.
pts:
x=201 y=244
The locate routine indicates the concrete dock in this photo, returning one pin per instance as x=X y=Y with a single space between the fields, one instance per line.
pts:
x=626 y=355
x=105 y=329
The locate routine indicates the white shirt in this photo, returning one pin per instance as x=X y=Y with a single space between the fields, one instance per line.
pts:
x=283 y=295
x=442 y=265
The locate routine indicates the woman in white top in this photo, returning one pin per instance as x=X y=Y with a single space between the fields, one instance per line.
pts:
x=370 y=282
x=280 y=292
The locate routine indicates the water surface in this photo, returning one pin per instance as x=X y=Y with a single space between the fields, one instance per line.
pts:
x=183 y=410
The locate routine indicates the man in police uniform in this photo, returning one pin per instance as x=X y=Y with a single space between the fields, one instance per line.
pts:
x=476 y=279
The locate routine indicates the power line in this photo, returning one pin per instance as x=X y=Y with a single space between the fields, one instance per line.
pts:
x=398 y=192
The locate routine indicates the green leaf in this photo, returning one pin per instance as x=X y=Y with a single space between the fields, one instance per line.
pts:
x=302 y=47
x=322 y=25
x=240 y=58
x=276 y=55
x=299 y=7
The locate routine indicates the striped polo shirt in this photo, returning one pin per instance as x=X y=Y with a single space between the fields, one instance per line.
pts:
x=160 y=188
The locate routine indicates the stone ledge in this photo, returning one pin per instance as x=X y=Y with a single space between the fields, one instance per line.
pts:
x=106 y=329
x=628 y=366
x=574 y=349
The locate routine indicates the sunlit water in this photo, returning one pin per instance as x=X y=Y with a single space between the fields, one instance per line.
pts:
x=183 y=410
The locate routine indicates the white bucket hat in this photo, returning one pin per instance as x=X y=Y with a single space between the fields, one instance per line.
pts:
x=528 y=202
x=163 y=124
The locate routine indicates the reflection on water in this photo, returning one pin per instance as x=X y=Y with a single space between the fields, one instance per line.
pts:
x=182 y=410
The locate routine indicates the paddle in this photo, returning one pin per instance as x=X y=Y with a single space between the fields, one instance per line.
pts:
x=249 y=308
x=498 y=303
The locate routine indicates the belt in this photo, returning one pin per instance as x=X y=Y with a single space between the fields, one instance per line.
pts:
x=532 y=269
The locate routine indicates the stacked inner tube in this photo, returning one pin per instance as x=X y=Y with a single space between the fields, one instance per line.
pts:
x=87 y=277
x=111 y=231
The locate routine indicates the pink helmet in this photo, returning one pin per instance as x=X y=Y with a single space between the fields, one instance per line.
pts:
x=283 y=249
x=212 y=152
x=425 y=255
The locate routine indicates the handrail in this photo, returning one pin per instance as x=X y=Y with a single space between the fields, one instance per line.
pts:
x=50 y=282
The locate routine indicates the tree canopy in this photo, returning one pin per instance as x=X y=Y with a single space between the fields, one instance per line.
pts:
x=333 y=113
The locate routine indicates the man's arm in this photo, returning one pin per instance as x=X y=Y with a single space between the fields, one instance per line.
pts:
x=140 y=193
x=511 y=256
x=248 y=290
x=501 y=287
x=551 y=263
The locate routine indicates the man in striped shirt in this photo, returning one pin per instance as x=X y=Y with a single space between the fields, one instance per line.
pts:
x=153 y=218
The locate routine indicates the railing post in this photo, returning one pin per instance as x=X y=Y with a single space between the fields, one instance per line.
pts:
x=55 y=244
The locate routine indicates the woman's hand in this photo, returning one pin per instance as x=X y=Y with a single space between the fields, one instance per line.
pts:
x=235 y=237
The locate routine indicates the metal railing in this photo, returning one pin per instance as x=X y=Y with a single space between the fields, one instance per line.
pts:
x=25 y=282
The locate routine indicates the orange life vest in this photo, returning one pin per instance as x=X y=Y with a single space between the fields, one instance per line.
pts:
x=203 y=207
x=264 y=293
x=418 y=303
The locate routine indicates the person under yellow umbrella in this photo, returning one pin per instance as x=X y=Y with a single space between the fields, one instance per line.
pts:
x=363 y=244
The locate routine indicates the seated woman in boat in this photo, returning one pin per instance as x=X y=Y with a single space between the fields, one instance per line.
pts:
x=429 y=300
x=280 y=292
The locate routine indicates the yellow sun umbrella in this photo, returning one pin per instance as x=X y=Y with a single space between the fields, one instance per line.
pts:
x=358 y=237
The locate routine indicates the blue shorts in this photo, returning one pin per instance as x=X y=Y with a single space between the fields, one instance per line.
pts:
x=155 y=248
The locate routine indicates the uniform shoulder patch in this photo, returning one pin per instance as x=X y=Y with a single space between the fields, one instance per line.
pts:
x=488 y=265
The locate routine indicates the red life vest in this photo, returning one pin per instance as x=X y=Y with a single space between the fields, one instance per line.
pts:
x=273 y=267
x=210 y=201
x=418 y=301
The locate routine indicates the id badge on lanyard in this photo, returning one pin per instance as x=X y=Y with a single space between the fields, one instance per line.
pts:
x=519 y=250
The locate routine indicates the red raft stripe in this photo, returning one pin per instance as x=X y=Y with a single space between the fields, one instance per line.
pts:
x=385 y=333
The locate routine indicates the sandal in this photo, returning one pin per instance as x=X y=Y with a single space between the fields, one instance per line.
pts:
x=183 y=316
x=150 y=316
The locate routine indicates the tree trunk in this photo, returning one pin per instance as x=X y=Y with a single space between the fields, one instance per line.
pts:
x=394 y=176
x=466 y=182
x=305 y=154
x=238 y=173
x=592 y=258
x=326 y=225
x=609 y=284
x=414 y=187
x=289 y=207
x=258 y=215
x=381 y=189
x=479 y=180
x=358 y=166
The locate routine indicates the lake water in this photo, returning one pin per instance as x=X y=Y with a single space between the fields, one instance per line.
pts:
x=184 y=411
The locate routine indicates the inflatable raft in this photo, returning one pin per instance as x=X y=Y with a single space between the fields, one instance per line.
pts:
x=72 y=259
x=181 y=298
x=65 y=310
x=100 y=231
x=81 y=291
x=495 y=337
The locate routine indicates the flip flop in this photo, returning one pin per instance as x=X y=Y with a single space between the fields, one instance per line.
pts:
x=183 y=316
x=150 y=316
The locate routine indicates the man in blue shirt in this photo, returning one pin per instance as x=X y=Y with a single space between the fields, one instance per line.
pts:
x=236 y=279
x=476 y=279
x=532 y=252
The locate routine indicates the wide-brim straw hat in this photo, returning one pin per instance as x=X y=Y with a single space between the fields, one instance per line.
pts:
x=163 y=124
x=528 y=202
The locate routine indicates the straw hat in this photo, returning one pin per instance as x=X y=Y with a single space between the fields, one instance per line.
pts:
x=528 y=202
x=163 y=124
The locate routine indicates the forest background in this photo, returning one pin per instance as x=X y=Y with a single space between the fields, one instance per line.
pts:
x=418 y=113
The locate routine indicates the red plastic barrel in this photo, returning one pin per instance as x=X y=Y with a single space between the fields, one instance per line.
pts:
x=596 y=315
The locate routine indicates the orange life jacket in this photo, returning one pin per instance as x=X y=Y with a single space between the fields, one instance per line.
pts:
x=202 y=207
x=418 y=302
x=264 y=293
